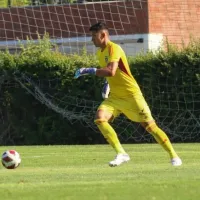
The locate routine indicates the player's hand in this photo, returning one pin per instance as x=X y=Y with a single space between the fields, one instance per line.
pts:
x=105 y=90
x=84 y=71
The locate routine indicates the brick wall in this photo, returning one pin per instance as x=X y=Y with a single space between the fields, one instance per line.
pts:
x=73 y=20
x=176 y=19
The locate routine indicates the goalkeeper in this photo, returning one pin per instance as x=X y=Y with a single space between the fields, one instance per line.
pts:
x=125 y=96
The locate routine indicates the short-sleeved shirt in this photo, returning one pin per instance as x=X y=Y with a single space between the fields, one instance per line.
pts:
x=123 y=83
x=125 y=95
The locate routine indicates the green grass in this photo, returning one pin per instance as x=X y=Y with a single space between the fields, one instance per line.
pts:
x=82 y=172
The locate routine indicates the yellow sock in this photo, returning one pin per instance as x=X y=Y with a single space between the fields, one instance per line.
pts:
x=162 y=139
x=110 y=135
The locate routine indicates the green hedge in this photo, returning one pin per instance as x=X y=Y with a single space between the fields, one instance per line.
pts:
x=14 y=3
x=170 y=81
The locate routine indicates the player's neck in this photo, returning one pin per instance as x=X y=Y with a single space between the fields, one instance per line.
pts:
x=104 y=45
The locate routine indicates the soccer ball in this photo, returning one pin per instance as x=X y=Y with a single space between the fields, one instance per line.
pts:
x=10 y=159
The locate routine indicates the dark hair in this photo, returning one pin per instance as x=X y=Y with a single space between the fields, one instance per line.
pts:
x=98 y=26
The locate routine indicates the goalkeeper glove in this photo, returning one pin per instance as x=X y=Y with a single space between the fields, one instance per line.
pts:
x=84 y=71
x=106 y=90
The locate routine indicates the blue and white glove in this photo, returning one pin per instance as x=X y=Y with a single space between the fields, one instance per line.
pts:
x=105 y=90
x=85 y=71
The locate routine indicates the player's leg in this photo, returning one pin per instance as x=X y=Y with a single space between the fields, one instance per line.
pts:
x=103 y=115
x=161 y=137
x=101 y=120
x=137 y=110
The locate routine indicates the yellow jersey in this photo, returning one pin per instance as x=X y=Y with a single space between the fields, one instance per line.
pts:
x=122 y=84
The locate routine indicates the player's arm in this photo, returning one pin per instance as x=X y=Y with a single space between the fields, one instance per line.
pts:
x=107 y=71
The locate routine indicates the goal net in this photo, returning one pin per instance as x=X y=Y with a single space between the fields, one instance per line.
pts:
x=68 y=24
x=137 y=25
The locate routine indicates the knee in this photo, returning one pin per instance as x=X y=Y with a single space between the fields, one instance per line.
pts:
x=99 y=121
x=150 y=127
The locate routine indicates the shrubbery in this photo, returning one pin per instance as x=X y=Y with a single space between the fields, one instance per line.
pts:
x=169 y=79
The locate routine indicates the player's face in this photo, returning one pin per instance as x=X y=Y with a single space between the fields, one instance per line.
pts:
x=98 y=38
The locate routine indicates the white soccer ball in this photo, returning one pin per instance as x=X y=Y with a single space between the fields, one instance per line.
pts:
x=10 y=159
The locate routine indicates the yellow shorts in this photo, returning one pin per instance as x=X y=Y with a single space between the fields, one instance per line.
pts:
x=135 y=108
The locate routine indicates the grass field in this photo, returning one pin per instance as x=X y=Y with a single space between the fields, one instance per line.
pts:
x=82 y=172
